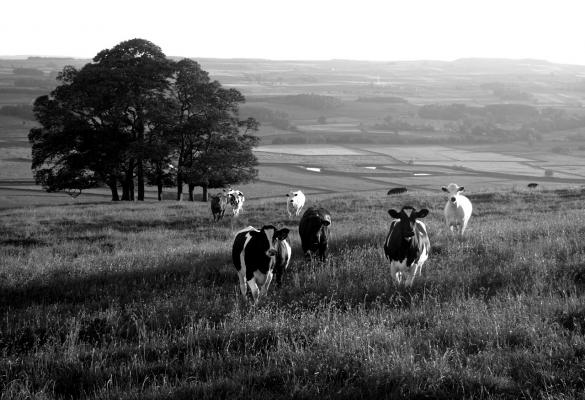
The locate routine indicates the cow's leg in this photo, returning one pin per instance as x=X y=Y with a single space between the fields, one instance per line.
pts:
x=411 y=273
x=264 y=288
x=243 y=288
x=409 y=278
x=254 y=289
x=395 y=272
x=463 y=227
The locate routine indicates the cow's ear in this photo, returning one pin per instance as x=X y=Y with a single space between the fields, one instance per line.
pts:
x=422 y=213
x=460 y=189
x=444 y=189
x=282 y=233
x=394 y=214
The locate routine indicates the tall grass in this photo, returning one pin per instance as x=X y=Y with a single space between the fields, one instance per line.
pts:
x=139 y=301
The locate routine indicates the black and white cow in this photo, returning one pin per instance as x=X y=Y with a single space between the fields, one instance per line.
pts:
x=255 y=254
x=314 y=231
x=236 y=200
x=218 y=206
x=407 y=245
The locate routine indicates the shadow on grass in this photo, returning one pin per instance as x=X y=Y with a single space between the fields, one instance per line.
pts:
x=122 y=287
x=72 y=227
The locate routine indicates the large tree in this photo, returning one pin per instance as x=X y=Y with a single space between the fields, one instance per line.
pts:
x=98 y=117
x=142 y=72
x=77 y=138
x=213 y=146
x=131 y=113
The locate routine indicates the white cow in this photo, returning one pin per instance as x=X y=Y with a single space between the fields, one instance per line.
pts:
x=236 y=200
x=295 y=201
x=458 y=208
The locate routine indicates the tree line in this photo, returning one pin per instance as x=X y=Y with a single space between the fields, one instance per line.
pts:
x=134 y=117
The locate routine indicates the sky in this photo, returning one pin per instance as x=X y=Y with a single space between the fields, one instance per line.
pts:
x=377 y=30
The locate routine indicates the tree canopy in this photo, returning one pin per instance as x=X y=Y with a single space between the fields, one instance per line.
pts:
x=133 y=115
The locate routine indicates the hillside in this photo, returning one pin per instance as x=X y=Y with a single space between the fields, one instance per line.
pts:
x=141 y=301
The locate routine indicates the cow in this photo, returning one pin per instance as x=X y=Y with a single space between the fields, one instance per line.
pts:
x=295 y=201
x=236 y=200
x=314 y=232
x=532 y=185
x=218 y=206
x=407 y=245
x=397 y=190
x=457 y=209
x=255 y=254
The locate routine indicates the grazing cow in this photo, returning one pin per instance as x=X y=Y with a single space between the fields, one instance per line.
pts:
x=532 y=185
x=314 y=232
x=407 y=245
x=296 y=201
x=458 y=208
x=236 y=200
x=218 y=206
x=255 y=253
x=397 y=190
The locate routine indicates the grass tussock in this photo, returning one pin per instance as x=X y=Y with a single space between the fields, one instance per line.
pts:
x=140 y=301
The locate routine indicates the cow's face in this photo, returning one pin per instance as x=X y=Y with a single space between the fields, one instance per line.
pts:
x=293 y=197
x=318 y=231
x=454 y=190
x=407 y=217
x=233 y=196
x=273 y=237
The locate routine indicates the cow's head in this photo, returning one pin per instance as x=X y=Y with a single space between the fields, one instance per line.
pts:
x=407 y=216
x=273 y=236
x=314 y=230
x=454 y=190
x=233 y=196
x=293 y=197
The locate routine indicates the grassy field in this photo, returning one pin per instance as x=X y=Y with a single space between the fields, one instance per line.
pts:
x=140 y=301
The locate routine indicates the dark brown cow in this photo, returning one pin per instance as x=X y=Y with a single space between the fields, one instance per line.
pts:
x=218 y=205
x=314 y=232
x=397 y=190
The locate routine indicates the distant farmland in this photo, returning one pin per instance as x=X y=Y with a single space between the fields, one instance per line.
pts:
x=346 y=169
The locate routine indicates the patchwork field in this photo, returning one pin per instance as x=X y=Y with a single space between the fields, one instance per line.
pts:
x=351 y=168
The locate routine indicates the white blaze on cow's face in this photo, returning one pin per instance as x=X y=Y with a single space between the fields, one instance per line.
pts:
x=269 y=232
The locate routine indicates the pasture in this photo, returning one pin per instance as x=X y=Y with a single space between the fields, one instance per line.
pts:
x=140 y=301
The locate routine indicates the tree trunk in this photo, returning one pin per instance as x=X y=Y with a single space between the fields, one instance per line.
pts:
x=140 y=161
x=204 y=196
x=191 y=188
x=128 y=183
x=125 y=190
x=131 y=189
x=114 y=188
x=179 y=187
x=159 y=185
x=140 y=178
